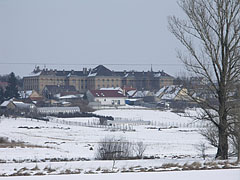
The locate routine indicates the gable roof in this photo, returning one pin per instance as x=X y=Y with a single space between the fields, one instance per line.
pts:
x=143 y=75
x=141 y=94
x=58 y=73
x=169 y=92
x=106 y=93
x=5 y=103
x=101 y=71
x=18 y=104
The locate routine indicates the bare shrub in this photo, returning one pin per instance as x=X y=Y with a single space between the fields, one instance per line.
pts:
x=169 y=165
x=111 y=148
x=202 y=147
x=3 y=140
x=139 y=149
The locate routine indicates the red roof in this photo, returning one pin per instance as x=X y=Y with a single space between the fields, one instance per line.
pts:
x=3 y=84
x=106 y=93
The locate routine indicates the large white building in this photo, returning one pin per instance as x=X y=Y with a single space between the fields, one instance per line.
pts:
x=107 y=97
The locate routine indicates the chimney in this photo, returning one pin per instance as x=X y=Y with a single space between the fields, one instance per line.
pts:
x=84 y=70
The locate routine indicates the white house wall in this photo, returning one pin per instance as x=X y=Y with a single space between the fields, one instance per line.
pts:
x=110 y=101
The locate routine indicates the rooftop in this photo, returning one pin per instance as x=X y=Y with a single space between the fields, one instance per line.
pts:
x=106 y=93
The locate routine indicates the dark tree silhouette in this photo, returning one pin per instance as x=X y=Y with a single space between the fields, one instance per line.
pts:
x=11 y=89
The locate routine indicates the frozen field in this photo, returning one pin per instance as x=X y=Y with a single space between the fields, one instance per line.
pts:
x=71 y=143
x=66 y=141
x=186 y=175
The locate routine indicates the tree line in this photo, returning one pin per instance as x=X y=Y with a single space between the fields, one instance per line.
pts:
x=11 y=90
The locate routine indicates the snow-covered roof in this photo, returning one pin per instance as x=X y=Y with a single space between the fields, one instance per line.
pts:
x=157 y=75
x=5 y=103
x=171 y=92
x=140 y=94
x=107 y=93
x=22 y=105
x=92 y=74
x=68 y=97
x=160 y=91
x=32 y=74
x=112 y=88
x=131 y=92
x=133 y=100
x=25 y=94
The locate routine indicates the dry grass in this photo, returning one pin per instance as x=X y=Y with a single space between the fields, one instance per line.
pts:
x=169 y=165
x=36 y=168
x=6 y=143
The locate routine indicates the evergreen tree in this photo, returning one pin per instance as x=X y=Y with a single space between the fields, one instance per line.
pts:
x=1 y=95
x=11 y=89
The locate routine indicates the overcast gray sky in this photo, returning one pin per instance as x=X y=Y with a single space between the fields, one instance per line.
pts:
x=72 y=34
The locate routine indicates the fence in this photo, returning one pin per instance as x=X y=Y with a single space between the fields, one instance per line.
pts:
x=123 y=124
x=198 y=124
x=113 y=127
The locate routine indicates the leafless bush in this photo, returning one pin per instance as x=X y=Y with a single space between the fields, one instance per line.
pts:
x=111 y=148
x=139 y=149
x=3 y=140
x=202 y=147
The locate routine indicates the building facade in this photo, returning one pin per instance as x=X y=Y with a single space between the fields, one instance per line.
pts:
x=97 y=78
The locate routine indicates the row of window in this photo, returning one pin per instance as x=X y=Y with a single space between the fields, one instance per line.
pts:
x=107 y=86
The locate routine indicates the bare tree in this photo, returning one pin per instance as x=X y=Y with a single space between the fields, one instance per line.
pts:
x=139 y=149
x=211 y=36
x=202 y=147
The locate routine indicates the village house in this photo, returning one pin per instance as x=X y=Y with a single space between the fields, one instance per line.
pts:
x=17 y=106
x=172 y=93
x=106 y=97
x=51 y=91
x=175 y=96
x=32 y=95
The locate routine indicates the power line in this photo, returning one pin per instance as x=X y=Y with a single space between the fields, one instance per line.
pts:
x=90 y=64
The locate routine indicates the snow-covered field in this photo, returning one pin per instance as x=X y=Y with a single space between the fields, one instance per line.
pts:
x=233 y=174
x=70 y=143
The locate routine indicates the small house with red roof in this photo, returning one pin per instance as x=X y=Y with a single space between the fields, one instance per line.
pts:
x=107 y=97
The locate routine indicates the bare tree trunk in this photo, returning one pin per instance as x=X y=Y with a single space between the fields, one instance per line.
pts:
x=222 y=151
x=238 y=151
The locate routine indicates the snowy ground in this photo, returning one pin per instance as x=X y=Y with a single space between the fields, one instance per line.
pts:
x=233 y=174
x=71 y=143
